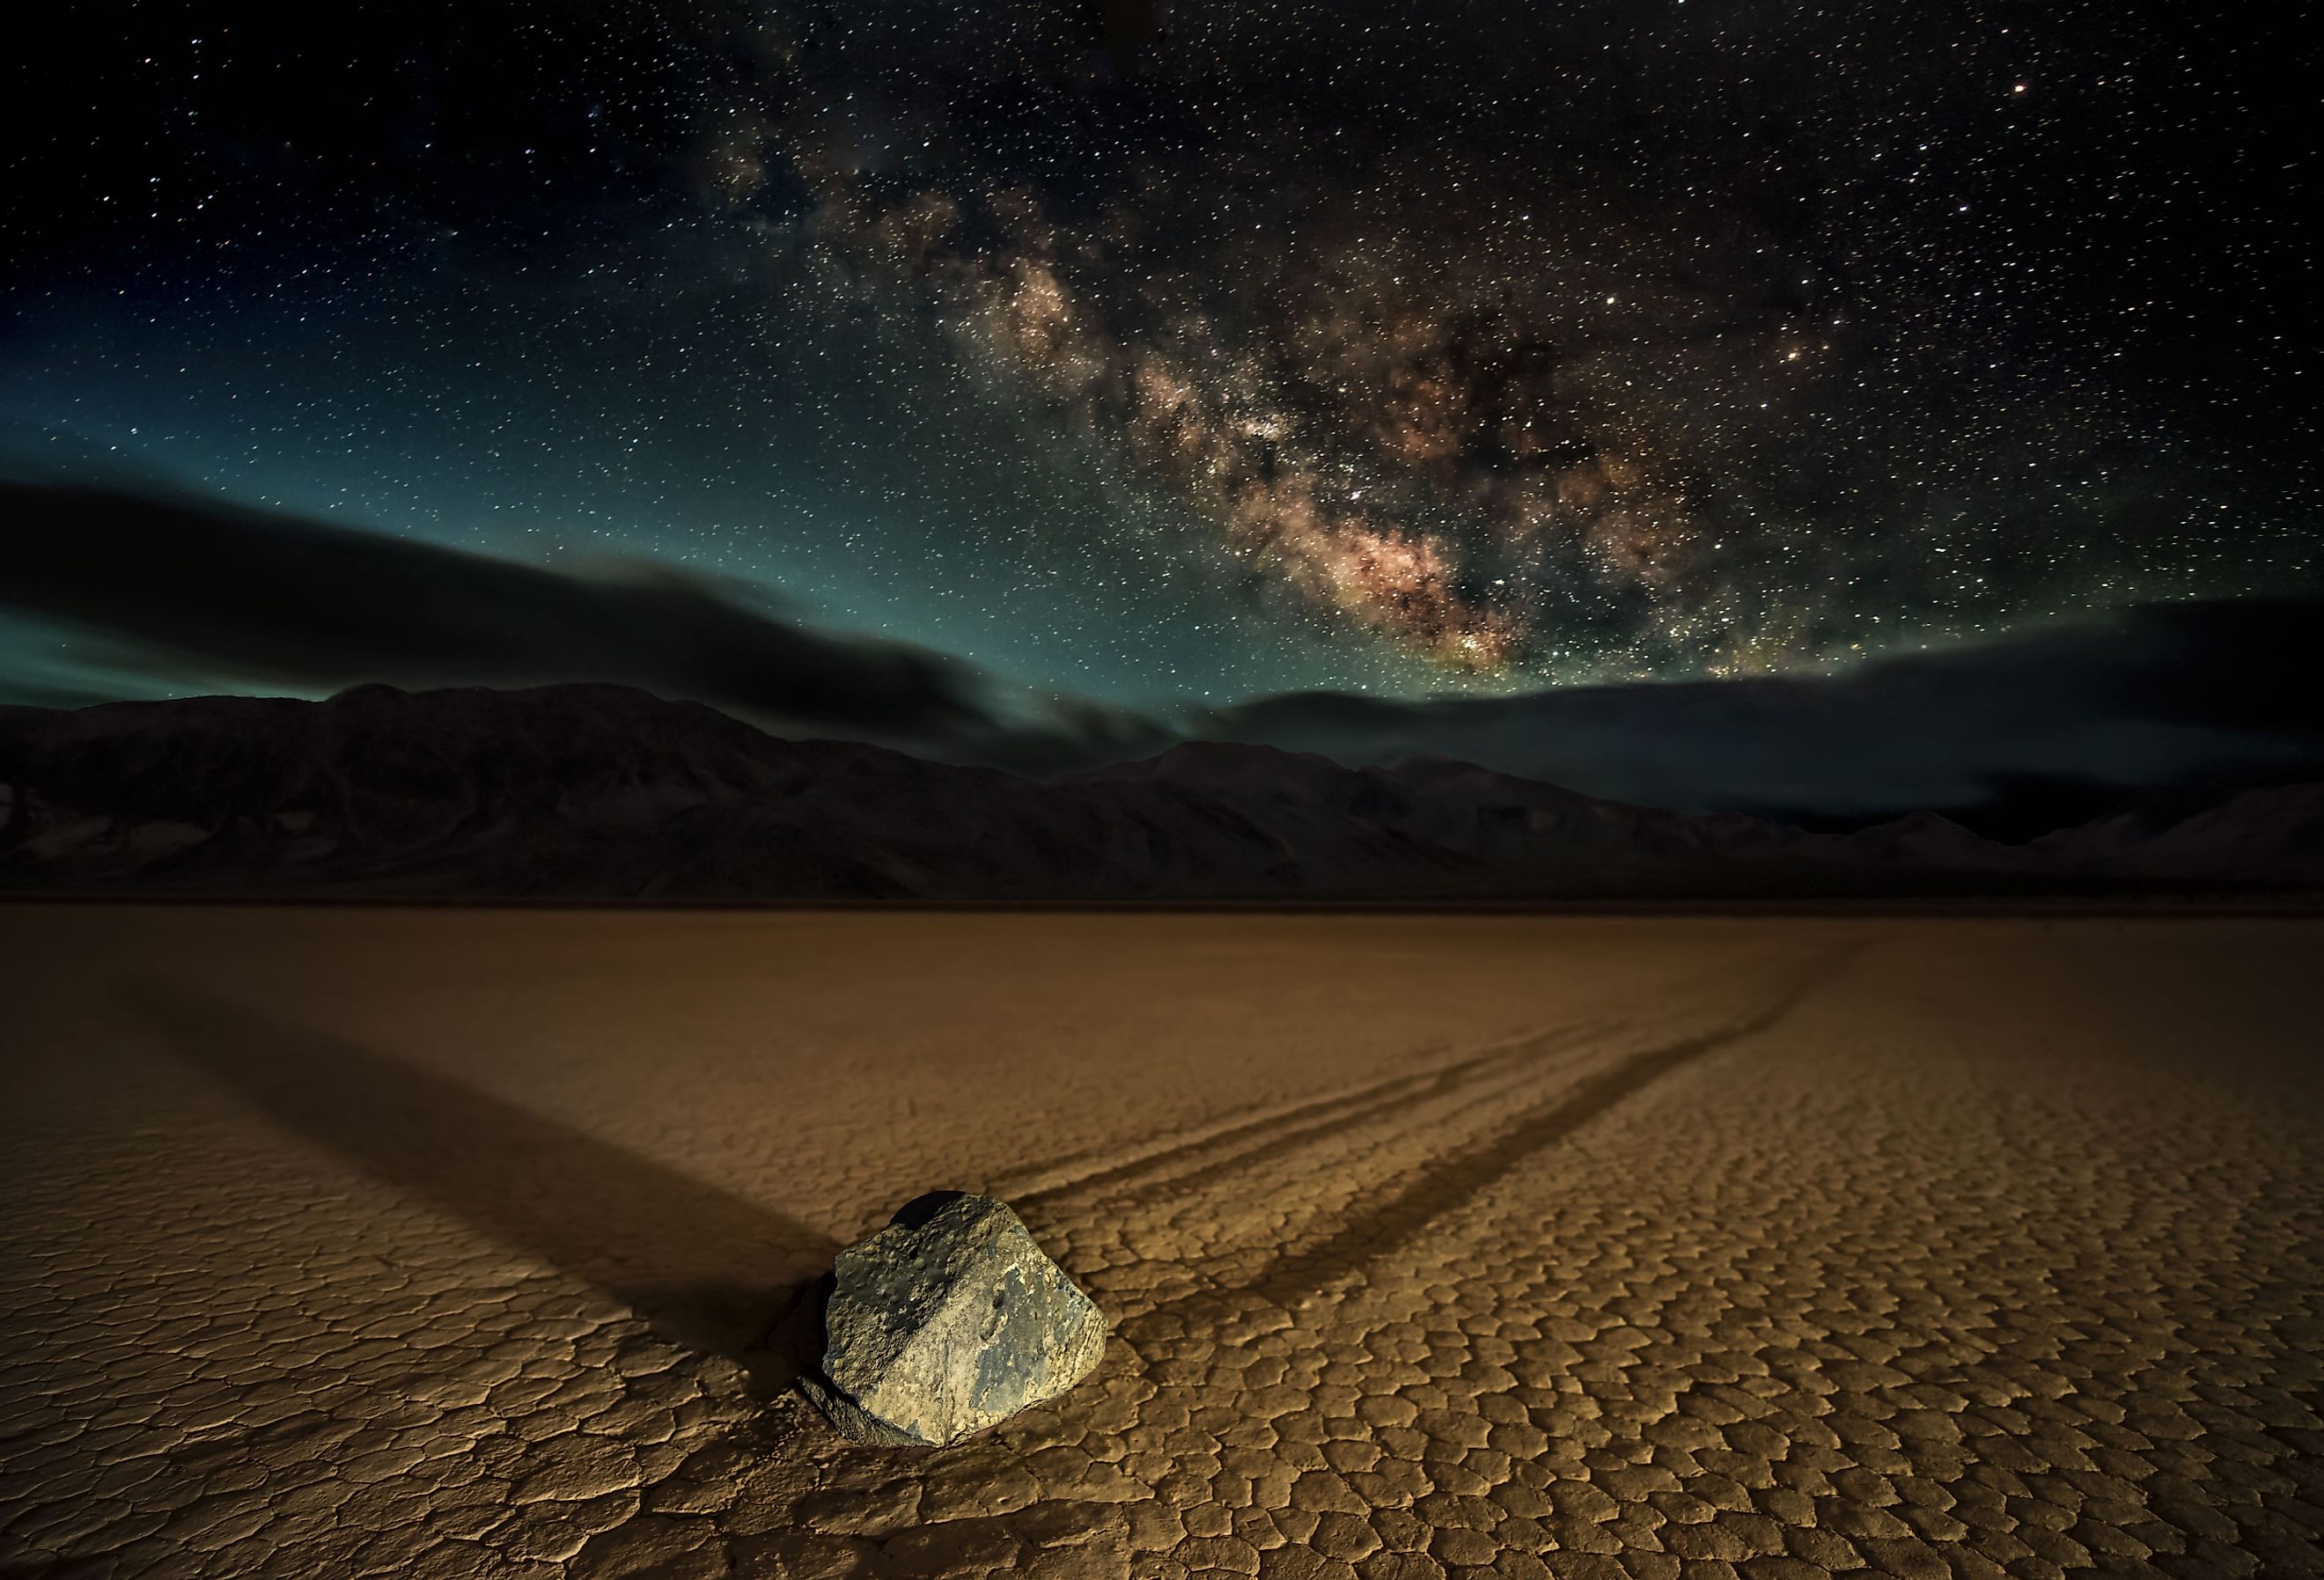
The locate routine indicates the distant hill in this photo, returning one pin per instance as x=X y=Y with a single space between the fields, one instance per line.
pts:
x=602 y=791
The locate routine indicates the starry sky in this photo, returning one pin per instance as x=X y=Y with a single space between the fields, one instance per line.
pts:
x=1137 y=369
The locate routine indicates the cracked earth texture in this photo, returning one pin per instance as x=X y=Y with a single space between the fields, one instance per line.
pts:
x=470 y=1244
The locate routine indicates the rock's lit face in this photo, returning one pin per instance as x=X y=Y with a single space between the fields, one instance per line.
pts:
x=948 y=1321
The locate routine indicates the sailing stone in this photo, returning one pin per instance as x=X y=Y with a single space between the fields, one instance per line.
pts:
x=949 y=1321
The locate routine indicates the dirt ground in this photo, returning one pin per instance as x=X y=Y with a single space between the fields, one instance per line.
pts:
x=453 y=1245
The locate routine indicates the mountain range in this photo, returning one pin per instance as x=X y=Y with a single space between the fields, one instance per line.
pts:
x=596 y=791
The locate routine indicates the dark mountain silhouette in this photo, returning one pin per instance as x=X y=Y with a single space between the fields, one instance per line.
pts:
x=603 y=791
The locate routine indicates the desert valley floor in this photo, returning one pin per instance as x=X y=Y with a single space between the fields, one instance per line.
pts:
x=472 y=1244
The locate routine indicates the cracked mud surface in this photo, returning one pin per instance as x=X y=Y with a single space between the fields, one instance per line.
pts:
x=346 y=1242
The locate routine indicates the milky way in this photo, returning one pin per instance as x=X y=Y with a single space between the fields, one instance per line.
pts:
x=1141 y=352
x=1447 y=373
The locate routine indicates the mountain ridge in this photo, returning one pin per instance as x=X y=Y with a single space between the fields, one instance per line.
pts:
x=603 y=791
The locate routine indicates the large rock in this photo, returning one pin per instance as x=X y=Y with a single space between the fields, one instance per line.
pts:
x=947 y=1321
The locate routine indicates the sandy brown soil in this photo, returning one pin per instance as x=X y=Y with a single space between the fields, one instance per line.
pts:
x=447 y=1245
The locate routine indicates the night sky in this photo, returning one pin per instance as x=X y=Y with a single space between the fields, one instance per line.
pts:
x=1129 y=367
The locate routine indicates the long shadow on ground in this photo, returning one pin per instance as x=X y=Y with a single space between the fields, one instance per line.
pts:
x=707 y=1270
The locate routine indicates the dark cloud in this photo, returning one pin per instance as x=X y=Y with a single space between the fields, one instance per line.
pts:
x=271 y=597
x=2015 y=735
x=2019 y=734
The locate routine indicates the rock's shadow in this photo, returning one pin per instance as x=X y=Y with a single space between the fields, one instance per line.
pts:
x=707 y=1270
